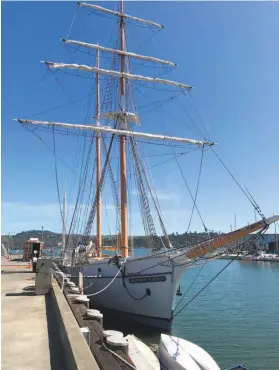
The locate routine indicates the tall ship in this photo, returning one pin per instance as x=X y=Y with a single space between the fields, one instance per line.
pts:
x=143 y=287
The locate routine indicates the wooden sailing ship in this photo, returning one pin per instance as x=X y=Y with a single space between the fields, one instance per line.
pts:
x=144 y=287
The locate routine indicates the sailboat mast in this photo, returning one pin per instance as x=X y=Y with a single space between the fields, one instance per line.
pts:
x=122 y=138
x=64 y=224
x=98 y=162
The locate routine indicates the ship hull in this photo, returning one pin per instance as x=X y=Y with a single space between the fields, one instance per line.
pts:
x=145 y=291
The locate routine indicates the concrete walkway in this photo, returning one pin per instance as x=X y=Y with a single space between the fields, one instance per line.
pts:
x=29 y=336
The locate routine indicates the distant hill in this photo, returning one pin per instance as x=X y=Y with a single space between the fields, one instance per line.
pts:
x=52 y=239
x=17 y=241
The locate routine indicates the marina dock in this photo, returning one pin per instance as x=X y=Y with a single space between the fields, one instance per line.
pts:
x=45 y=330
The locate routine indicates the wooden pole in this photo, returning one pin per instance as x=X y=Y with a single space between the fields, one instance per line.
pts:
x=64 y=224
x=209 y=246
x=123 y=165
x=98 y=164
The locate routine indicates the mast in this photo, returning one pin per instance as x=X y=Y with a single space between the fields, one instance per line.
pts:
x=64 y=224
x=122 y=117
x=98 y=162
x=122 y=138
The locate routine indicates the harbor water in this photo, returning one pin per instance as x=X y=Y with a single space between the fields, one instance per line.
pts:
x=235 y=318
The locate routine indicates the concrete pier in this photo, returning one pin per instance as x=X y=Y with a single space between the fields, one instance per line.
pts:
x=29 y=336
x=38 y=331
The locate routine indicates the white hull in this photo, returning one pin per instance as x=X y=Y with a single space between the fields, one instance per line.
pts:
x=149 y=293
x=141 y=355
x=179 y=354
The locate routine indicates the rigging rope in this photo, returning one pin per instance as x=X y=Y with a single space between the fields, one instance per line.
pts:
x=78 y=196
x=114 y=187
x=196 y=194
x=56 y=107
x=109 y=284
x=150 y=222
x=97 y=194
x=250 y=198
x=151 y=193
x=189 y=288
x=183 y=176
x=194 y=204
x=59 y=83
x=48 y=147
x=73 y=21
x=256 y=236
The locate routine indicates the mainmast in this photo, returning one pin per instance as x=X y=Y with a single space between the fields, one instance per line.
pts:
x=122 y=138
x=98 y=162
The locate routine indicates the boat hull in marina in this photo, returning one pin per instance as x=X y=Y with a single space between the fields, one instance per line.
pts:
x=141 y=355
x=179 y=354
x=144 y=290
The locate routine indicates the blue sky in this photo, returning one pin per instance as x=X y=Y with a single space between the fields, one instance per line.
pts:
x=228 y=51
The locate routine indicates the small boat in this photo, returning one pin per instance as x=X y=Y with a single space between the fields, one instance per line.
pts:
x=250 y=257
x=179 y=354
x=141 y=355
x=267 y=257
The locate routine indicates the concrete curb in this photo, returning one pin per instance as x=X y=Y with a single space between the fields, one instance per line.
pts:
x=78 y=355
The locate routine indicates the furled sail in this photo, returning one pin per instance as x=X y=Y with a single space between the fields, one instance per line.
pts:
x=105 y=10
x=105 y=129
x=83 y=67
x=119 y=52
